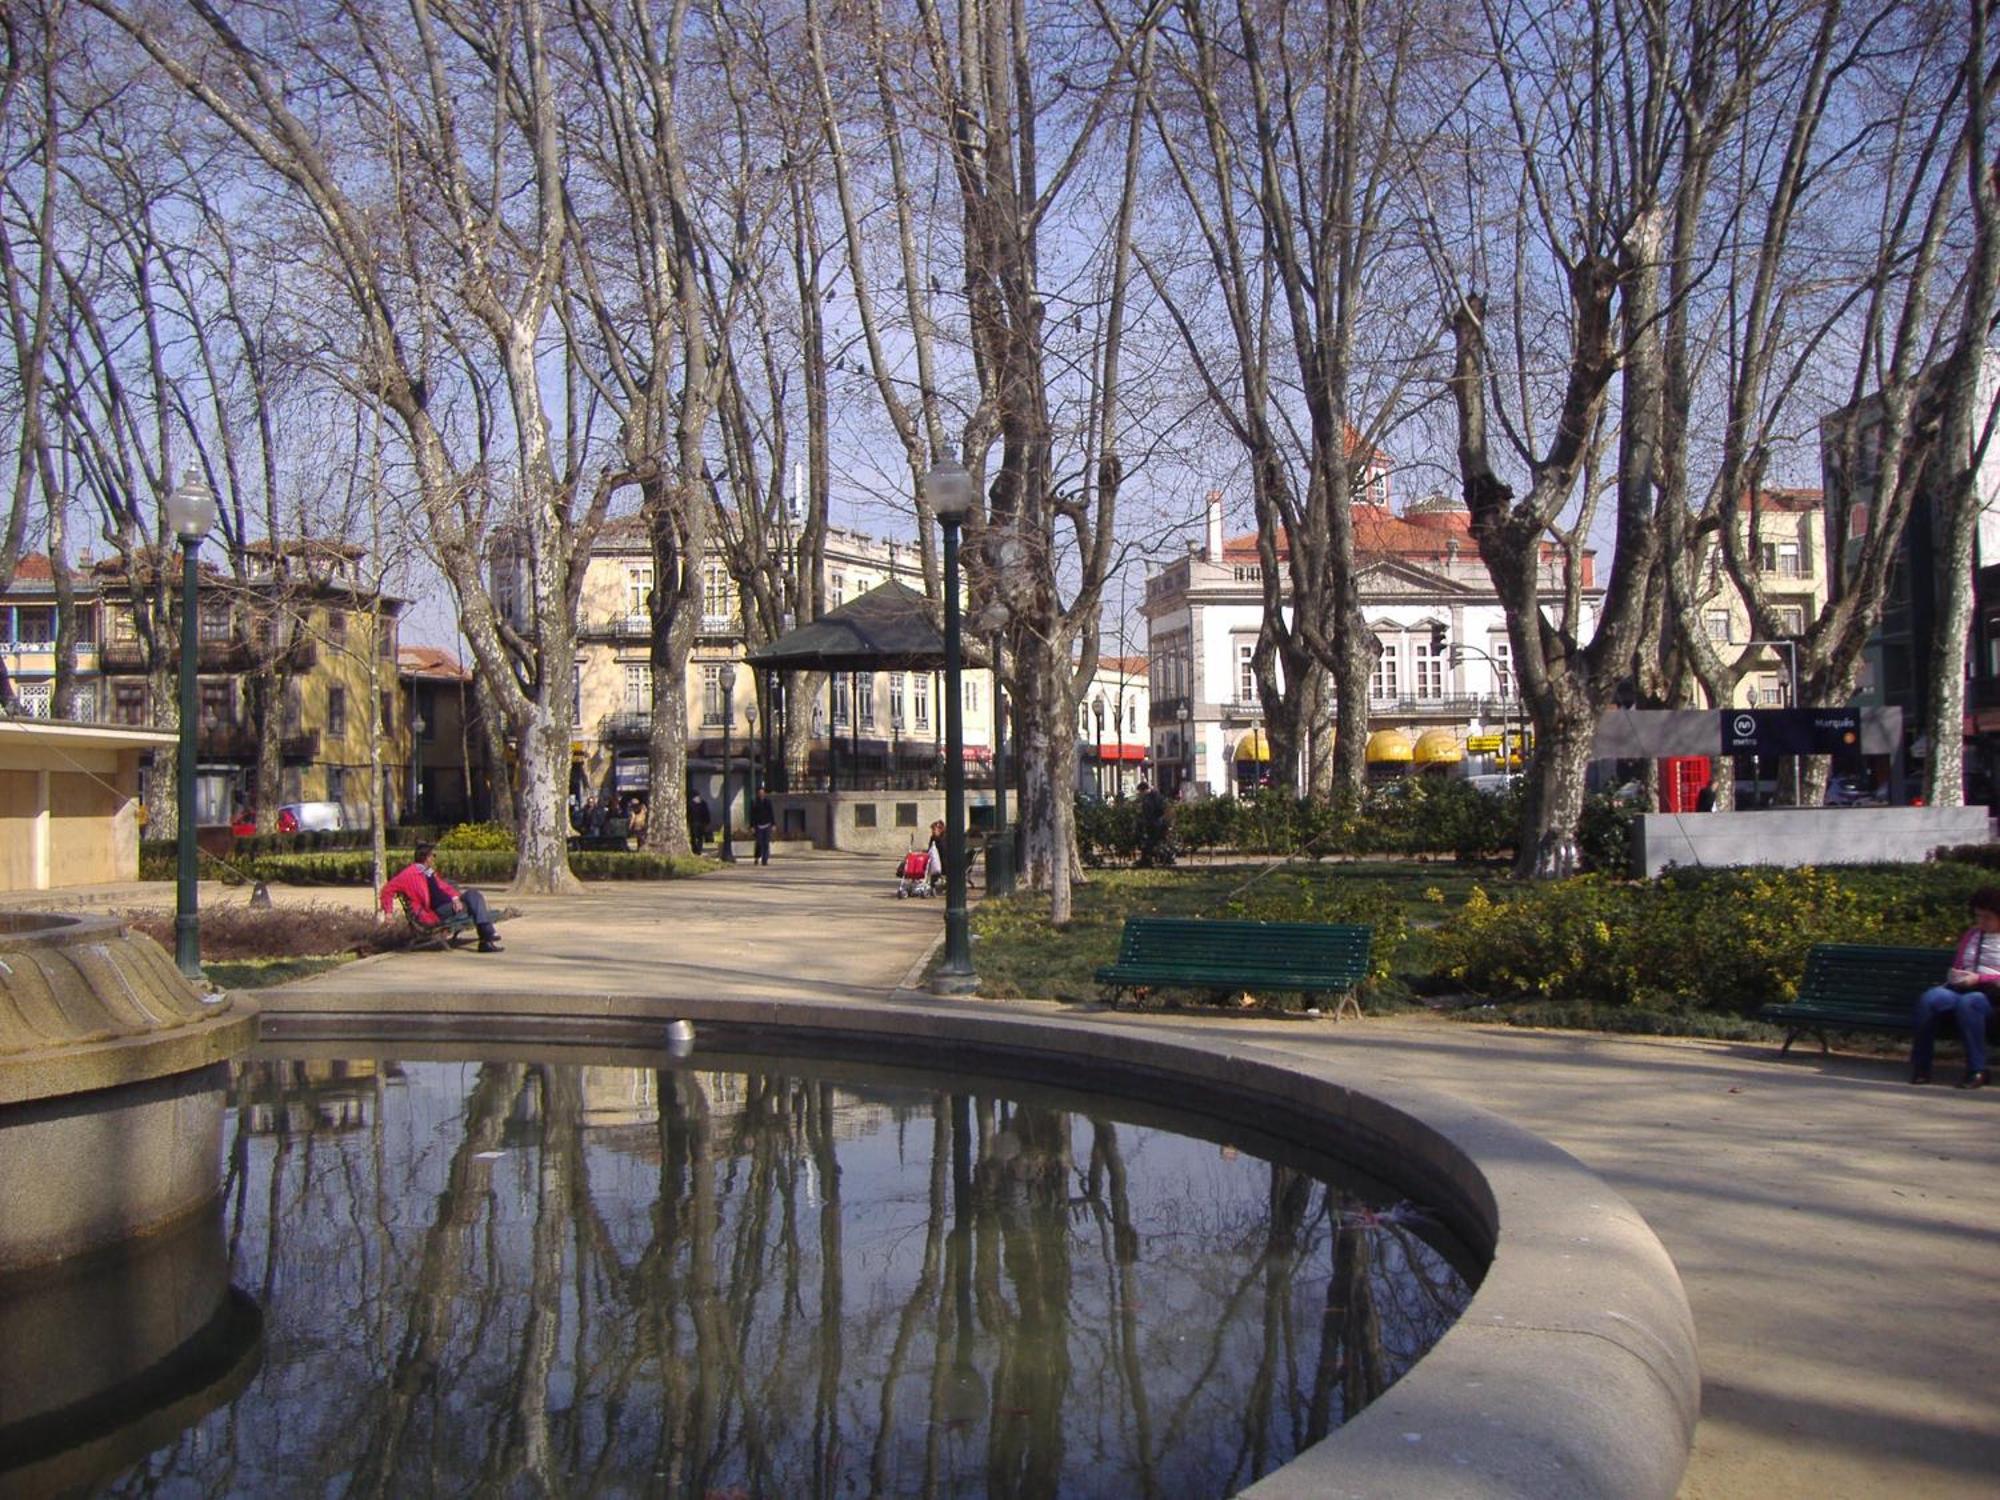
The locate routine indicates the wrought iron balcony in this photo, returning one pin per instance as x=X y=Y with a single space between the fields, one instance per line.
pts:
x=633 y=725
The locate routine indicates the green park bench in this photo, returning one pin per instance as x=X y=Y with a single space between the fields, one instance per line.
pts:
x=1218 y=956
x=1858 y=987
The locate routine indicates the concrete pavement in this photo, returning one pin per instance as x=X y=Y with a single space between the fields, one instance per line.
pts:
x=1836 y=1230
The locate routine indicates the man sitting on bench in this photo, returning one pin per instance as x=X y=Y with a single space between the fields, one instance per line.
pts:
x=434 y=900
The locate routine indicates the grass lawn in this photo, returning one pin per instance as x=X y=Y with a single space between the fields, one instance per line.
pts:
x=1021 y=954
x=261 y=973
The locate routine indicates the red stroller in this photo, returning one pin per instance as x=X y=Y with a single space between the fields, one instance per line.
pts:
x=913 y=875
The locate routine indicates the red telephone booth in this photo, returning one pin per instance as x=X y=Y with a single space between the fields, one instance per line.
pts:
x=1682 y=778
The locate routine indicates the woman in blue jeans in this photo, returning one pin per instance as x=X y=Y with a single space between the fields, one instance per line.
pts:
x=1966 y=994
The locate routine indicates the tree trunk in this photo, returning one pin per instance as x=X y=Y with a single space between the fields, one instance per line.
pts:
x=666 y=755
x=542 y=865
x=1556 y=790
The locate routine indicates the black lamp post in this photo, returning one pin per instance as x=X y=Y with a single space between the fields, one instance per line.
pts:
x=727 y=678
x=1098 y=770
x=190 y=509
x=417 y=728
x=948 y=488
x=750 y=749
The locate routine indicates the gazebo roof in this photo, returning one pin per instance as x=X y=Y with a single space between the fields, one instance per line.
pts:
x=887 y=629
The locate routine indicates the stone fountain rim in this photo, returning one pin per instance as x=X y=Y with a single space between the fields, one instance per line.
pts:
x=1572 y=1372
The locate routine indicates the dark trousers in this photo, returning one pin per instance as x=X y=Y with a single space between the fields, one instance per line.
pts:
x=475 y=908
x=763 y=832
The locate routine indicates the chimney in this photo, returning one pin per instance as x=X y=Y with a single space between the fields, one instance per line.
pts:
x=1214 y=550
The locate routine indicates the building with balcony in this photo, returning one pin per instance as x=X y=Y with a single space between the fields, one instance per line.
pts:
x=1790 y=556
x=28 y=642
x=441 y=773
x=1899 y=655
x=334 y=635
x=888 y=725
x=1113 y=728
x=1443 y=689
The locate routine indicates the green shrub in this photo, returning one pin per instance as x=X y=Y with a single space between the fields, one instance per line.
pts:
x=1987 y=856
x=1716 y=940
x=489 y=837
x=1107 y=831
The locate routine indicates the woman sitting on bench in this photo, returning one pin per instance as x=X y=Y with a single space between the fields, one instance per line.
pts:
x=434 y=900
x=1966 y=995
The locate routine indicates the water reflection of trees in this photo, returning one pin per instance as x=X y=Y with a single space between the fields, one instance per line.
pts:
x=555 y=1278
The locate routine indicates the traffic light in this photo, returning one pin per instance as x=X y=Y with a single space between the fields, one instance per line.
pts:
x=1438 y=638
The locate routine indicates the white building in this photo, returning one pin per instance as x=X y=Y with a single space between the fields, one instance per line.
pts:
x=1443 y=690
x=1113 y=728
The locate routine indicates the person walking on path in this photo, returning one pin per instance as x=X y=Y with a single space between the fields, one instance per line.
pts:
x=697 y=820
x=763 y=819
x=432 y=898
x=1153 y=846
x=1966 y=995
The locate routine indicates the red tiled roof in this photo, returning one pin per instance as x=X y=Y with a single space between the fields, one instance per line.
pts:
x=1792 y=499
x=429 y=661
x=33 y=567
x=1379 y=531
x=1113 y=666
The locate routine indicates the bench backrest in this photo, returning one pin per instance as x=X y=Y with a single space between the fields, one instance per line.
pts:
x=1315 y=947
x=1860 y=977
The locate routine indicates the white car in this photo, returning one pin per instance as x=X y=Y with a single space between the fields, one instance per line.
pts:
x=310 y=817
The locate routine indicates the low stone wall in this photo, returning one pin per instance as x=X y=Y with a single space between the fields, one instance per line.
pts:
x=1802 y=836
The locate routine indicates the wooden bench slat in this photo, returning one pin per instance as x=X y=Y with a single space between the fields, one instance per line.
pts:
x=1859 y=987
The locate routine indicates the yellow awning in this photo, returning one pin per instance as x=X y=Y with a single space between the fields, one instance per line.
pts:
x=1438 y=747
x=1253 y=746
x=1389 y=747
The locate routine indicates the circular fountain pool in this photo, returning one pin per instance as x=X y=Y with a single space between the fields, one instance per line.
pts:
x=732 y=1275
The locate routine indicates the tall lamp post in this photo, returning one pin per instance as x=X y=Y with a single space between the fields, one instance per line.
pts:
x=727 y=678
x=190 y=509
x=417 y=728
x=750 y=749
x=1098 y=709
x=948 y=489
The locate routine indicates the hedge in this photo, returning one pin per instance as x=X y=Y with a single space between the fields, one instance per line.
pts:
x=461 y=866
x=1727 y=940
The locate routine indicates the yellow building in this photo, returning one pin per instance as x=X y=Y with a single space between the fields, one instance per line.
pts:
x=336 y=635
x=1791 y=563
x=883 y=720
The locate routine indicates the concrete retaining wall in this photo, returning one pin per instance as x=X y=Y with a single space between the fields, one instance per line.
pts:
x=1802 y=836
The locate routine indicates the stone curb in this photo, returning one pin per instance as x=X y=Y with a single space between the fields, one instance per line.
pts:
x=1571 y=1373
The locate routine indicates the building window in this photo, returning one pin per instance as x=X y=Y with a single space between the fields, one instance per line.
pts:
x=294 y=714
x=711 y=693
x=639 y=688
x=841 y=687
x=1502 y=651
x=576 y=695
x=218 y=704
x=1792 y=619
x=388 y=712
x=385 y=638
x=214 y=619
x=1429 y=663
x=971 y=695
x=336 y=626
x=1388 y=679
x=921 y=686
x=638 y=591
x=1083 y=721
x=1781 y=558
x=864 y=698
x=128 y=701
x=35 y=698
x=836 y=586
x=896 y=719
x=1717 y=621
x=1246 y=672
x=123 y=627
x=336 y=711
x=1131 y=716
x=32 y=628
x=716 y=601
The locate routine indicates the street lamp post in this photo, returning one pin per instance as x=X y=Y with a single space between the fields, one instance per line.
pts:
x=750 y=749
x=1097 y=771
x=1182 y=715
x=417 y=728
x=948 y=489
x=190 y=510
x=727 y=678
x=1458 y=654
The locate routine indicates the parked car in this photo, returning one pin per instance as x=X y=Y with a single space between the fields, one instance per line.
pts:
x=1854 y=790
x=310 y=817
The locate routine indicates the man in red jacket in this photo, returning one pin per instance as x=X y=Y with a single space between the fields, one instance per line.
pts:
x=432 y=898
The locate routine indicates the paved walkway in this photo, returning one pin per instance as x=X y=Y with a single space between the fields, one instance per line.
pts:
x=1837 y=1231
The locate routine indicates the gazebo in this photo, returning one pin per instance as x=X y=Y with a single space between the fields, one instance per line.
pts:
x=887 y=791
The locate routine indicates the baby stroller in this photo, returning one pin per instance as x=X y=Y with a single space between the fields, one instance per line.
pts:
x=913 y=875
